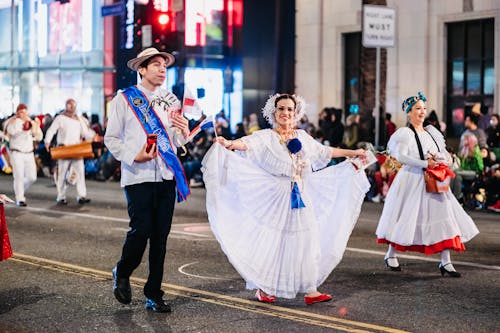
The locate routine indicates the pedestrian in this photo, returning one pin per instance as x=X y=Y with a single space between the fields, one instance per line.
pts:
x=150 y=172
x=390 y=126
x=253 y=123
x=71 y=129
x=471 y=124
x=493 y=133
x=281 y=216
x=336 y=132
x=22 y=131
x=351 y=133
x=412 y=218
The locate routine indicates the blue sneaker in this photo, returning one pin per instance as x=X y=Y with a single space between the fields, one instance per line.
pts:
x=158 y=306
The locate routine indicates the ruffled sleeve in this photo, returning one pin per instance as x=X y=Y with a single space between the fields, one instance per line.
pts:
x=264 y=149
x=399 y=147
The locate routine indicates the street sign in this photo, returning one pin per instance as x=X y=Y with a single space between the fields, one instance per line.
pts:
x=116 y=9
x=379 y=26
x=147 y=33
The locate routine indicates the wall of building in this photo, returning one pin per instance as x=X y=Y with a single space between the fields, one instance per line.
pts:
x=416 y=63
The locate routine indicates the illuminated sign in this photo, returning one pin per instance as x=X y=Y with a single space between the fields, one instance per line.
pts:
x=129 y=25
x=204 y=21
x=161 y=5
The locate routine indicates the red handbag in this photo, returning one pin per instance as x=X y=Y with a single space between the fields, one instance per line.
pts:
x=437 y=180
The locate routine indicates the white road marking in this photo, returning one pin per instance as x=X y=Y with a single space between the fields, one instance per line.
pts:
x=204 y=277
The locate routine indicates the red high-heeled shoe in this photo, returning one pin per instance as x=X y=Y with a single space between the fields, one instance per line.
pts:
x=262 y=297
x=316 y=299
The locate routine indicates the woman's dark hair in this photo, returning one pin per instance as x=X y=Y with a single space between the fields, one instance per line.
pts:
x=433 y=116
x=285 y=96
x=94 y=119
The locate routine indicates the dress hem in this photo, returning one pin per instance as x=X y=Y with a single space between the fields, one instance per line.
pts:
x=447 y=244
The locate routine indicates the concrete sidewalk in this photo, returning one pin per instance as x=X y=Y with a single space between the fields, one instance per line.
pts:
x=107 y=194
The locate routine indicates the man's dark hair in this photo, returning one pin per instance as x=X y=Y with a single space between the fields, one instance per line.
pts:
x=474 y=118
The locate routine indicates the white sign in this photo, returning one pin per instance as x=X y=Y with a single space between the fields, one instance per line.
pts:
x=379 y=26
x=146 y=33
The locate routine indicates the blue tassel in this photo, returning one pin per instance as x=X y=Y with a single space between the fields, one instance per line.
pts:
x=295 y=197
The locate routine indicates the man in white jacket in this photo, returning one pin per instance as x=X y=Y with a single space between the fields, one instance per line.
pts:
x=22 y=131
x=151 y=174
x=71 y=130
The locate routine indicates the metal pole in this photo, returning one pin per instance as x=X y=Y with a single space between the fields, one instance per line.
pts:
x=376 y=112
x=12 y=36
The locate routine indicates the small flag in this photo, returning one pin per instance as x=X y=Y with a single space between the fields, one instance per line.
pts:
x=4 y=160
x=206 y=123
x=190 y=105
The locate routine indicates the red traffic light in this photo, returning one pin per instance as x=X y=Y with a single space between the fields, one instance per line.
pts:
x=163 y=19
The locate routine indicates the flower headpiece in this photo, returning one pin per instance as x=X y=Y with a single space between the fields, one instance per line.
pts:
x=410 y=101
x=270 y=108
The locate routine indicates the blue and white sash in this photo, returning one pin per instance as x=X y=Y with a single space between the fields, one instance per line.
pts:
x=152 y=124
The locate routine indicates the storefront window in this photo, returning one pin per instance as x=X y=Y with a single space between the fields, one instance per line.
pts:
x=471 y=70
x=352 y=73
x=59 y=49
x=458 y=77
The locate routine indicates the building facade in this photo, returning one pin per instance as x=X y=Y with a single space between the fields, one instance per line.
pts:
x=49 y=52
x=52 y=50
x=448 y=49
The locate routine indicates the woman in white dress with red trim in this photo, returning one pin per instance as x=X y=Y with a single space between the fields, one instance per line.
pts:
x=281 y=216
x=414 y=219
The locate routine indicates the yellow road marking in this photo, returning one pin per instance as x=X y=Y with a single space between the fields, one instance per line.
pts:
x=304 y=317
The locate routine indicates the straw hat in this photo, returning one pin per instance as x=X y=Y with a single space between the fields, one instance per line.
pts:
x=149 y=53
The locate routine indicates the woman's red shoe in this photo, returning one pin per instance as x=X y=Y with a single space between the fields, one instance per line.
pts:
x=264 y=298
x=316 y=299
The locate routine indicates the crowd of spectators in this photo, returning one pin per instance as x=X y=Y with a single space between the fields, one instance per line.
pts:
x=476 y=162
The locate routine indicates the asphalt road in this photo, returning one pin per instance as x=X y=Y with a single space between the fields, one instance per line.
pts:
x=59 y=279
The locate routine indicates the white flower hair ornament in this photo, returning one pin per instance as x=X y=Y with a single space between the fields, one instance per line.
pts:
x=270 y=108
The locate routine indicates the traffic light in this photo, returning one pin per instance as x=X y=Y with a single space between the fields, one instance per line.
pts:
x=163 y=19
x=164 y=32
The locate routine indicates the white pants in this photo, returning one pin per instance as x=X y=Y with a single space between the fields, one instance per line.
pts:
x=63 y=167
x=24 y=172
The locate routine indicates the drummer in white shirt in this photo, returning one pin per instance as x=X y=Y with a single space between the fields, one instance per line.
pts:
x=71 y=130
x=22 y=131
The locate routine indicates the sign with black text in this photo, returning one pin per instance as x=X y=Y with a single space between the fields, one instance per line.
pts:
x=379 y=26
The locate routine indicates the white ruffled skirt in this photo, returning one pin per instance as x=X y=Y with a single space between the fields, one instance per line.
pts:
x=415 y=220
x=280 y=250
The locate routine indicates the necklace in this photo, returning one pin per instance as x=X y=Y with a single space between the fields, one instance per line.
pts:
x=285 y=135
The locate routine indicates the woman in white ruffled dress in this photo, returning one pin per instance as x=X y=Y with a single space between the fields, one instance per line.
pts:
x=414 y=219
x=280 y=215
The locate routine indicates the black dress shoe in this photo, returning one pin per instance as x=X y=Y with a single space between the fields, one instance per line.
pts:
x=392 y=268
x=445 y=271
x=83 y=200
x=21 y=204
x=121 y=288
x=62 y=202
x=158 y=306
